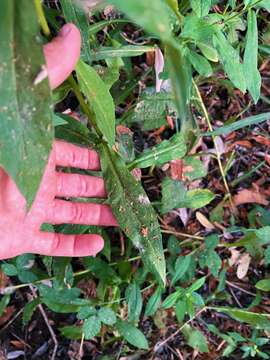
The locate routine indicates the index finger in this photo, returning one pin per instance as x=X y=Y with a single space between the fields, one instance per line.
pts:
x=69 y=155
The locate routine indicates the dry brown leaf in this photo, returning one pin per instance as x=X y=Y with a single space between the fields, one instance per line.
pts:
x=177 y=169
x=243 y=266
x=262 y=140
x=248 y=196
x=204 y=221
x=235 y=254
x=9 y=311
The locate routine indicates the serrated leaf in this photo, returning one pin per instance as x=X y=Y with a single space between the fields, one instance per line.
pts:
x=107 y=316
x=29 y=310
x=99 y=99
x=167 y=150
x=85 y=312
x=231 y=60
x=263 y=285
x=258 y=321
x=91 y=327
x=134 y=300
x=133 y=211
x=154 y=302
x=132 y=335
x=26 y=130
x=252 y=73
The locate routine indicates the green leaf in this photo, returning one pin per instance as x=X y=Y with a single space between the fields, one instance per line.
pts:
x=91 y=327
x=200 y=63
x=101 y=270
x=180 y=310
x=196 y=285
x=75 y=14
x=9 y=269
x=154 y=302
x=29 y=310
x=71 y=332
x=26 y=130
x=193 y=168
x=99 y=99
x=267 y=256
x=258 y=321
x=151 y=110
x=211 y=241
x=263 y=285
x=106 y=52
x=181 y=78
x=72 y=131
x=172 y=299
x=197 y=198
x=201 y=7
x=133 y=211
x=144 y=13
x=263 y=234
x=132 y=335
x=252 y=73
x=181 y=266
x=134 y=300
x=208 y=51
x=4 y=303
x=195 y=339
x=85 y=312
x=167 y=150
x=231 y=61
x=107 y=316
x=173 y=194
x=251 y=120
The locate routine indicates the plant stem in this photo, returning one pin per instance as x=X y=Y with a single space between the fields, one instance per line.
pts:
x=206 y=115
x=41 y=18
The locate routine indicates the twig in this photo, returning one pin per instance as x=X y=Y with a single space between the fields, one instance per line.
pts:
x=52 y=333
x=11 y=321
x=179 y=330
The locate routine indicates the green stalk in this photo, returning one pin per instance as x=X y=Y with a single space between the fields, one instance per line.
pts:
x=41 y=18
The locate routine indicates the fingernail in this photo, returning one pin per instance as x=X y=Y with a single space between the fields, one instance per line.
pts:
x=66 y=29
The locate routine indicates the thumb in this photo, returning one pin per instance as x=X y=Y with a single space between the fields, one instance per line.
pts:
x=62 y=54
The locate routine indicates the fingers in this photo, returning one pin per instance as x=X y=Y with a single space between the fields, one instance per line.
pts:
x=70 y=155
x=67 y=212
x=62 y=54
x=75 y=185
x=53 y=244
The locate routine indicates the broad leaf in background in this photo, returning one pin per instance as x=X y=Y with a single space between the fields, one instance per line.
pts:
x=133 y=210
x=231 y=61
x=200 y=64
x=195 y=339
x=75 y=14
x=167 y=150
x=151 y=15
x=201 y=7
x=26 y=130
x=135 y=303
x=252 y=73
x=263 y=285
x=99 y=99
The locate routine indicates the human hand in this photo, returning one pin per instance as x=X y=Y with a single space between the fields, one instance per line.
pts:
x=20 y=231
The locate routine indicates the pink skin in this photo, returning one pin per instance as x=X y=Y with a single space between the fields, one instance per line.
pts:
x=20 y=231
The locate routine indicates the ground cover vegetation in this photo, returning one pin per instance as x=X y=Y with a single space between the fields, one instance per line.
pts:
x=174 y=95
